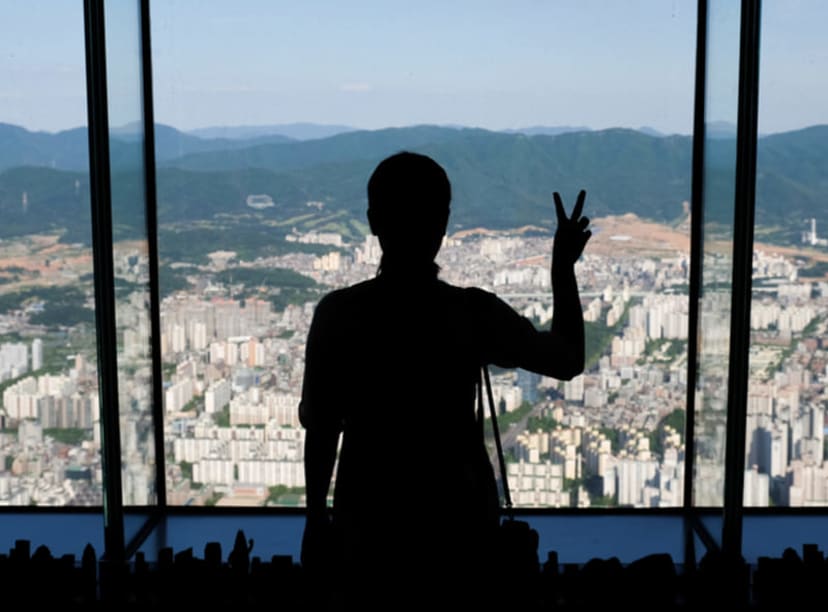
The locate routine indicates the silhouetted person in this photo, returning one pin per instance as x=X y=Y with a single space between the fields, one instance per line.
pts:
x=390 y=373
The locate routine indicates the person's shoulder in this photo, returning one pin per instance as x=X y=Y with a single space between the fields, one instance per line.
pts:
x=472 y=297
x=468 y=293
x=341 y=297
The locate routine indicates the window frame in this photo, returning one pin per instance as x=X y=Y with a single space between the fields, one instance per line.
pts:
x=691 y=518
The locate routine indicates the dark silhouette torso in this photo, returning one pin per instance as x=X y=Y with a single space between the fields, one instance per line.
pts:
x=395 y=364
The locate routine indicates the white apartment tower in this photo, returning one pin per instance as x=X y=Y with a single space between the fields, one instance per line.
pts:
x=37 y=354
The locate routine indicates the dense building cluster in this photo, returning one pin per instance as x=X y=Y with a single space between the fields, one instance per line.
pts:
x=233 y=361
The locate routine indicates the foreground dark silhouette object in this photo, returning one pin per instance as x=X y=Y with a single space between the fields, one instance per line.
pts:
x=390 y=373
x=31 y=580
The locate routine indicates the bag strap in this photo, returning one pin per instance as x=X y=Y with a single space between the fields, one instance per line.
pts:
x=496 y=431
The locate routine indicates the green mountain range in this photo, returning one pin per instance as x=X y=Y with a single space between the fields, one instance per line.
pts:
x=499 y=179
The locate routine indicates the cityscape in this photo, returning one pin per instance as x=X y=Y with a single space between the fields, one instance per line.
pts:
x=229 y=152
x=233 y=348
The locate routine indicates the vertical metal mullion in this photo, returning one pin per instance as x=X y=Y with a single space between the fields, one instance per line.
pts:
x=696 y=245
x=152 y=243
x=739 y=371
x=106 y=330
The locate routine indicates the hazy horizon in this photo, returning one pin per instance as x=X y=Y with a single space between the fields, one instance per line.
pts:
x=350 y=128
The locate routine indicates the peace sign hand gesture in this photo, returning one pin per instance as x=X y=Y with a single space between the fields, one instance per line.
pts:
x=572 y=233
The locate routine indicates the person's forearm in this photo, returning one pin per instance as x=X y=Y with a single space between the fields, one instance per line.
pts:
x=568 y=316
x=320 y=457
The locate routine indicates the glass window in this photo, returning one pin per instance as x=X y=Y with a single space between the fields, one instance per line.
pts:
x=49 y=420
x=785 y=445
x=130 y=251
x=264 y=146
x=719 y=175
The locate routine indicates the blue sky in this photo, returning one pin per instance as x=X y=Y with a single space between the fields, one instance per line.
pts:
x=370 y=64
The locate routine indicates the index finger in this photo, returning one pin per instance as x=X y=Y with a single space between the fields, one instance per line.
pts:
x=559 y=207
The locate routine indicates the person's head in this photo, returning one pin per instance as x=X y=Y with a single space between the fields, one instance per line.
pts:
x=408 y=208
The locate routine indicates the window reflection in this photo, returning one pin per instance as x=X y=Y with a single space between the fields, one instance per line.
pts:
x=130 y=252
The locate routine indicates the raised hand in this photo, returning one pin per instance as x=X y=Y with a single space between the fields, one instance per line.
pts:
x=572 y=233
